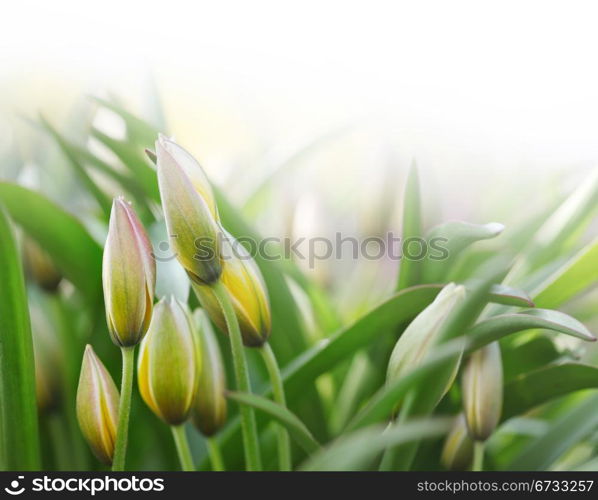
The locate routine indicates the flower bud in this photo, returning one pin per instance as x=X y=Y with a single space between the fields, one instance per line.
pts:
x=209 y=410
x=483 y=391
x=190 y=211
x=97 y=406
x=242 y=279
x=422 y=333
x=166 y=370
x=457 y=452
x=39 y=267
x=128 y=275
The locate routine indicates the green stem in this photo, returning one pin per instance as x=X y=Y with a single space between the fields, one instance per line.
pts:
x=284 y=443
x=182 y=447
x=124 y=408
x=248 y=422
x=478 y=456
x=215 y=455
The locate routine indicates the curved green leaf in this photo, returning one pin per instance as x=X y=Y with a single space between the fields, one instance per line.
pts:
x=575 y=276
x=19 y=442
x=296 y=428
x=62 y=236
x=400 y=308
x=497 y=326
x=454 y=237
x=508 y=296
x=102 y=199
x=537 y=387
x=355 y=451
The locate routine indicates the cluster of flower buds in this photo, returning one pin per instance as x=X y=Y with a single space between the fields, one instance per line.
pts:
x=206 y=251
x=180 y=371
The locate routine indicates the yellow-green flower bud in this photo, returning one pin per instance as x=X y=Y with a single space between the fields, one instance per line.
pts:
x=167 y=369
x=128 y=275
x=242 y=279
x=457 y=452
x=97 y=406
x=190 y=211
x=39 y=267
x=483 y=391
x=209 y=410
x=422 y=333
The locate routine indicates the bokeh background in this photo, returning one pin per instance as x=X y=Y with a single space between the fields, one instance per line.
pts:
x=490 y=100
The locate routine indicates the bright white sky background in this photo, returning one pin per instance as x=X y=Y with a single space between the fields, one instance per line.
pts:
x=465 y=84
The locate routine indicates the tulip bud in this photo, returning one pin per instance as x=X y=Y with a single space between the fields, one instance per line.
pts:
x=242 y=279
x=422 y=333
x=166 y=370
x=457 y=452
x=128 y=275
x=483 y=391
x=39 y=267
x=209 y=410
x=190 y=211
x=97 y=406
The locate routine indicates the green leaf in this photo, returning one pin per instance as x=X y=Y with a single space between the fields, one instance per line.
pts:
x=19 y=441
x=356 y=451
x=508 y=296
x=384 y=402
x=454 y=237
x=535 y=388
x=410 y=269
x=496 y=327
x=133 y=158
x=400 y=308
x=297 y=429
x=566 y=222
x=574 y=277
x=138 y=129
x=563 y=433
x=103 y=200
x=62 y=236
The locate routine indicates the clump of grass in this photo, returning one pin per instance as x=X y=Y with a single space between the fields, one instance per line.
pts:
x=461 y=374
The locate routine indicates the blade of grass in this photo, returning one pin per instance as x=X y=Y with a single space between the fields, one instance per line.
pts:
x=495 y=327
x=563 y=433
x=104 y=201
x=61 y=235
x=454 y=237
x=535 y=388
x=297 y=429
x=19 y=443
x=410 y=269
x=355 y=451
x=578 y=274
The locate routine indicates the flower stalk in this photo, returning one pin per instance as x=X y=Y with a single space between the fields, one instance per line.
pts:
x=182 y=447
x=248 y=422
x=284 y=443
x=124 y=408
